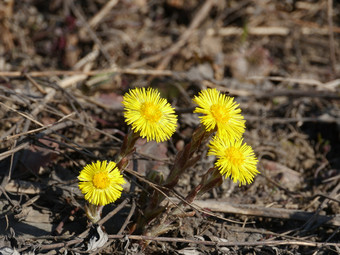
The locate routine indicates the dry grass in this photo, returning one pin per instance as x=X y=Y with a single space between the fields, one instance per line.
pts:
x=64 y=66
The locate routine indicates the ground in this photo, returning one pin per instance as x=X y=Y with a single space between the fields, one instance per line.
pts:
x=64 y=68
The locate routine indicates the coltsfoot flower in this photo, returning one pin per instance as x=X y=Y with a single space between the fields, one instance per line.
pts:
x=149 y=114
x=221 y=111
x=101 y=182
x=234 y=158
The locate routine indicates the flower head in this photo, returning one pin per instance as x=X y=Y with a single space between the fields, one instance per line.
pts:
x=221 y=111
x=234 y=159
x=149 y=114
x=101 y=182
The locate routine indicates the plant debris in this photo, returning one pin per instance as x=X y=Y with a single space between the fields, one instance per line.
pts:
x=64 y=66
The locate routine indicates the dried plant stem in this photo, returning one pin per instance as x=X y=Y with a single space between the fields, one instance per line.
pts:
x=331 y=35
x=127 y=148
x=184 y=159
x=200 y=16
x=89 y=73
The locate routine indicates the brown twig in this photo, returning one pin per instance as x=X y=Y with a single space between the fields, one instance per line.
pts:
x=188 y=241
x=13 y=150
x=331 y=35
x=225 y=244
x=45 y=132
x=254 y=210
x=35 y=84
x=102 y=13
x=178 y=198
x=92 y=34
x=132 y=210
x=315 y=220
x=262 y=94
x=22 y=114
x=270 y=31
x=89 y=73
x=198 y=19
x=113 y=212
x=301 y=81
x=81 y=236
x=207 y=243
x=35 y=130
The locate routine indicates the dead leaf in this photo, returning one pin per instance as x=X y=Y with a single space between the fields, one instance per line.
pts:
x=37 y=158
x=111 y=100
x=8 y=251
x=247 y=62
x=98 y=239
x=25 y=187
x=151 y=156
x=287 y=177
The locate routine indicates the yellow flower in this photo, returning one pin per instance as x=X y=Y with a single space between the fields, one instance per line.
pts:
x=101 y=182
x=234 y=159
x=149 y=114
x=221 y=111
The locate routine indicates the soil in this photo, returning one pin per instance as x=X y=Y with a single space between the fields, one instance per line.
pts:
x=64 y=67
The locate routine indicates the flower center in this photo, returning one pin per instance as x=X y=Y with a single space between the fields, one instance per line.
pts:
x=235 y=156
x=151 y=112
x=219 y=113
x=101 y=180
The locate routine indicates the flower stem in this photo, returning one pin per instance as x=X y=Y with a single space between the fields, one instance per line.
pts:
x=127 y=148
x=184 y=159
x=93 y=212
